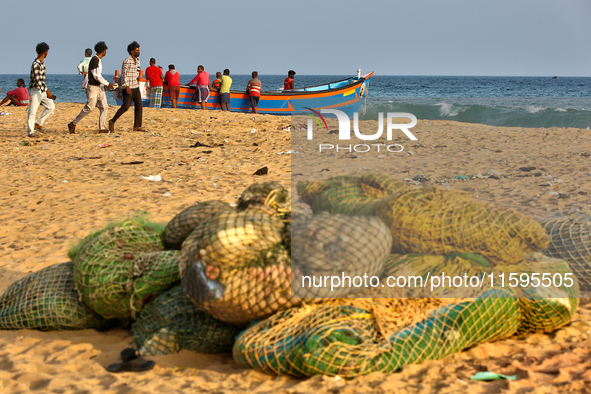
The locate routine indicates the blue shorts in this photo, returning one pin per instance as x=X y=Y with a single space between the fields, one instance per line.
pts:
x=225 y=98
x=254 y=101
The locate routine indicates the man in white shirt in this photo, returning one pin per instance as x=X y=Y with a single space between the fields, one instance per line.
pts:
x=83 y=67
x=95 y=92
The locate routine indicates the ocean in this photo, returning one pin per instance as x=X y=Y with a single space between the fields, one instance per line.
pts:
x=496 y=101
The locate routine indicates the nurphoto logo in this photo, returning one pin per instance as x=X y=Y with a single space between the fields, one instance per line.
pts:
x=345 y=130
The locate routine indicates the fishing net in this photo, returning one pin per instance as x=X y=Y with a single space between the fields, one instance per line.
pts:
x=437 y=221
x=356 y=337
x=259 y=193
x=172 y=322
x=236 y=268
x=47 y=300
x=122 y=267
x=349 y=195
x=179 y=228
x=570 y=239
x=340 y=247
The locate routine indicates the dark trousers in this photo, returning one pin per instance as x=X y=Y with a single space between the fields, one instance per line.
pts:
x=136 y=97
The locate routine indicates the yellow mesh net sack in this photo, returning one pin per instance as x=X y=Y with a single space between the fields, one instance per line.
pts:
x=437 y=221
x=570 y=239
x=351 y=195
x=236 y=268
x=350 y=338
x=183 y=224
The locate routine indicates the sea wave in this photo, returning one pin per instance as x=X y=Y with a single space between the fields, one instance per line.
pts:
x=490 y=111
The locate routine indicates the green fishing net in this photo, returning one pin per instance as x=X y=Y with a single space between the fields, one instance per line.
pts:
x=47 y=300
x=172 y=322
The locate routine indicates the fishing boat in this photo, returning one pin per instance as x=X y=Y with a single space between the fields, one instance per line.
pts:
x=346 y=95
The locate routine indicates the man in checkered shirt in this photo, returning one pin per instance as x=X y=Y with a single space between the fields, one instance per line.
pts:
x=38 y=92
x=129 y=80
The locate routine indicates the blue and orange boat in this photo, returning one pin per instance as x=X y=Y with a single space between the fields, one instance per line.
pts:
x=346 y=95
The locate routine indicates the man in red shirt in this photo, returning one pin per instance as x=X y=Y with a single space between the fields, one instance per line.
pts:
x=171 y=78
x=288 y=82
x=154 y=75
x=201 y=81
x=253 y=89
x=19 y=96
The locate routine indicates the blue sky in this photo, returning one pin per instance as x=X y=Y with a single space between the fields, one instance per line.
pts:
x=414 y=37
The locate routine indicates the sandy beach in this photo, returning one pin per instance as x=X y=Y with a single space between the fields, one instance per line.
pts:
x=58 y=188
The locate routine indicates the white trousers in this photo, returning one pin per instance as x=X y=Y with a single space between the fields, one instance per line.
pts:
x=37 y=98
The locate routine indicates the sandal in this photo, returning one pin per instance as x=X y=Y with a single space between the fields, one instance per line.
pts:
x=132 y=362
x=139 y=129
x=72 y=128
x=111 y=126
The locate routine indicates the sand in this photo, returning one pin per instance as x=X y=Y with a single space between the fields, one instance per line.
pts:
x=58 y=187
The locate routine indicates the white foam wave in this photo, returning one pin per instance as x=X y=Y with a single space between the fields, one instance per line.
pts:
x=448 y=109
x=533 y=109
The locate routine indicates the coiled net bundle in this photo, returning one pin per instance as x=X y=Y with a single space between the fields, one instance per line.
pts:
x=47 y=300
x=172 y=322
x=121 y=268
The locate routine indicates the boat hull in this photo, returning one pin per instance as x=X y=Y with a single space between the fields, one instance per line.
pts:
x=347 y=96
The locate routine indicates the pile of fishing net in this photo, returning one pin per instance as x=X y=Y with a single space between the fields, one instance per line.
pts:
x=431 y=220
x=352 y=337
x=328 y=245
x=122 y=267
x=348 y=194
x=173 y=322
x=47 y=300
x=570 y=239
x=235 y=265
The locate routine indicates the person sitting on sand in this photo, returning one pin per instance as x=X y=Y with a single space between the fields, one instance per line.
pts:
x=201 y=81
x=18 y=97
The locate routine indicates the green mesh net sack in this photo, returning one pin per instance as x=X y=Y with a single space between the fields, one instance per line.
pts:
x=47 y=300
x=236 y=268
x=437 y=221
x=570 y=239
x=179 y=228
x=351 y=195
x=338 y=246
x=356 y=337
x=122 y=267
x=361 y=336
x=172 y=322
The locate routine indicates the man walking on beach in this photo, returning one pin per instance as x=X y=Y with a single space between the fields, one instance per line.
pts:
x=154 y=75
x=95 y=92
x=83 y=67
x=38 y=92
x=130 y=80
x=253 y=89
x=226 y=84
x=201 y=81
